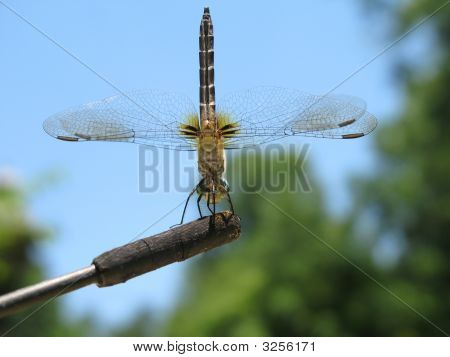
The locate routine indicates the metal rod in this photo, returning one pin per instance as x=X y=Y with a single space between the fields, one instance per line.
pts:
x=130 y=260
x=46 y=290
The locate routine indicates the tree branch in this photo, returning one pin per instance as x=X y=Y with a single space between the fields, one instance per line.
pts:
x=128 y=261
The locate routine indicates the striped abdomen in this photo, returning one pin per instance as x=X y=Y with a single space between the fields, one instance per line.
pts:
x=206 y=56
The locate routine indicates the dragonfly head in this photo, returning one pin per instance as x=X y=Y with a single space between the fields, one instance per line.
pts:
x=213 y=190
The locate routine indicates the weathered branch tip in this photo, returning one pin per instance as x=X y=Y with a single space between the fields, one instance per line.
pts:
x=130 y=260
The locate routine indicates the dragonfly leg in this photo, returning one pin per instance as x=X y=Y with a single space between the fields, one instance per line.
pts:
x=198 y=204
x=208 y=202
x=187 y=201
x=231 y=203
x=213 y=193
x=214 y=201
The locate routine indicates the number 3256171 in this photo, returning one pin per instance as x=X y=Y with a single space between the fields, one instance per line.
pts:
x=288 y=346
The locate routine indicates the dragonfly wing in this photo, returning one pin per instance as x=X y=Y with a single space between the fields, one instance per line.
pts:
x=143 y=117
x=269 y=113
x=336 y=117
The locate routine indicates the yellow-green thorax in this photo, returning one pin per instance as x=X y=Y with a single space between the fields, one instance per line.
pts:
x=211 y=138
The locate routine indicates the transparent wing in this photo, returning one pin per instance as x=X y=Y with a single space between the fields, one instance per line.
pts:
x=143 y=117
x=269 y=113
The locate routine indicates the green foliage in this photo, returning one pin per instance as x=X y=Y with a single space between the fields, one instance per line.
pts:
x=278 y=279
x=19 y=237
x=142 y=324
x=18 y=268
x=410 y=194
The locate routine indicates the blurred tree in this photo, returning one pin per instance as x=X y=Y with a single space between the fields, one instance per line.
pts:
x=18 y=268
x=279 y=280
x=410 y=195
x=19 y=238
x=142 y=324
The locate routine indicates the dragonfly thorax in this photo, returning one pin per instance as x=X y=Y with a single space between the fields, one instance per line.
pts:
x=211 y=156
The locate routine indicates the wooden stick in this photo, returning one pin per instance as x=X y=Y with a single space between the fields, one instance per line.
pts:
x=128 y=261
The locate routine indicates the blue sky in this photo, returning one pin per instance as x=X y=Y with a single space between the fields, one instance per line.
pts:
x=96 y=205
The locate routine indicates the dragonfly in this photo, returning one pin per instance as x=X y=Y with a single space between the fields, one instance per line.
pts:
x=239 y=120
